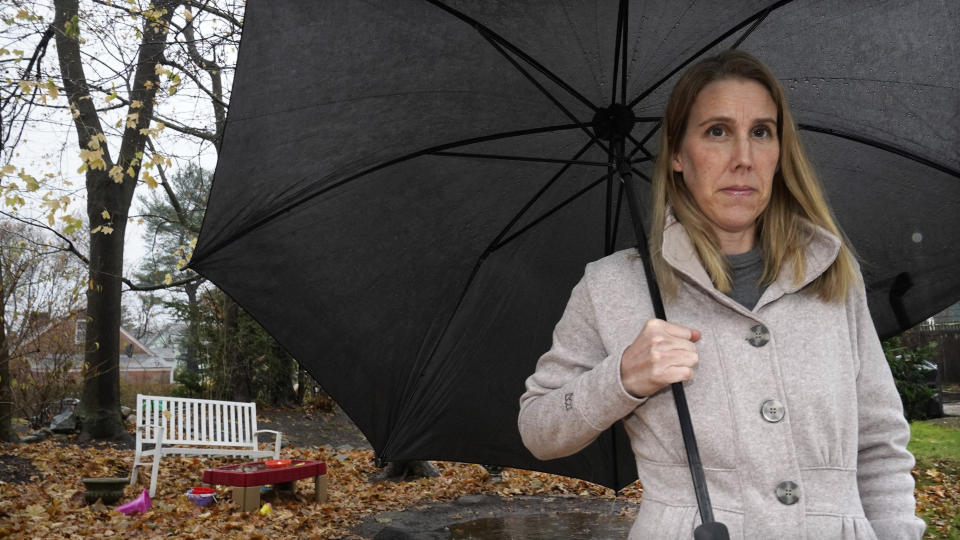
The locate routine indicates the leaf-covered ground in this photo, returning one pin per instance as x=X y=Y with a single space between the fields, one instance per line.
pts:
x=41 y=495
x=51 y=503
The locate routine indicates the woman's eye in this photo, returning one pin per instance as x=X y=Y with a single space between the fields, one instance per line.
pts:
x=716 y=131
x=761 y=131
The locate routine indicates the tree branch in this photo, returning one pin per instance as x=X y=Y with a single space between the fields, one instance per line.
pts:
x=186 y=130
x=205 y=6
x=196 y=80
x=158 y=286
x=214 y=71
x=171 y=196
x=70 y=246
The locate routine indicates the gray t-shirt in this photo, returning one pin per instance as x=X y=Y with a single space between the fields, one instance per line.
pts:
x=746 y=269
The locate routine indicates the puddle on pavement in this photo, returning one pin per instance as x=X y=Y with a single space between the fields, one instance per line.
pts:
x=571 y=525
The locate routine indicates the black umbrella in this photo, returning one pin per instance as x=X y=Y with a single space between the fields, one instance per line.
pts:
x=407 y=191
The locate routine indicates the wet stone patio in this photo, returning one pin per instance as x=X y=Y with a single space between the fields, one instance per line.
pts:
x=488 y=517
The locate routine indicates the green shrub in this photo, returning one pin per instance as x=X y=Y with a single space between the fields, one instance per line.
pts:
x=907 y=366
x=129 y=391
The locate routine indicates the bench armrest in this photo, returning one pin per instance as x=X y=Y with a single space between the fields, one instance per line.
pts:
x=276 y=445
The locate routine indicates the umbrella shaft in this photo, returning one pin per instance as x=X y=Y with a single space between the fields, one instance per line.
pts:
x=679 y=397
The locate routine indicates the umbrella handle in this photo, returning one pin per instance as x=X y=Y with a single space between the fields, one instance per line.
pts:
x=710 y=529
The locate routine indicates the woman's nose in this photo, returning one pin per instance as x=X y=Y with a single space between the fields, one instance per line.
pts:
x=742 y=154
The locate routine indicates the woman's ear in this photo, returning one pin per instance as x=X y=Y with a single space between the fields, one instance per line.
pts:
x=676 y=163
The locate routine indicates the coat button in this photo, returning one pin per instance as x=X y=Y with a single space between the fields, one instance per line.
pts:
x=759 y=335
x=788 y=492
x=772 y=410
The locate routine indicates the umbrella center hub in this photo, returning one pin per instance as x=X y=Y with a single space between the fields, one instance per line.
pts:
x=613 y=122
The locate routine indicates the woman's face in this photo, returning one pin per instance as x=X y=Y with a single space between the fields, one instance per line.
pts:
x=728 y=158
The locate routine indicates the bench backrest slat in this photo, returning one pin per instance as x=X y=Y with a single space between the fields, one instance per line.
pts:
x=196 y=421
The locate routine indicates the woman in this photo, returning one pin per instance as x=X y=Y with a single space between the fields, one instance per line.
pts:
x=798 y=421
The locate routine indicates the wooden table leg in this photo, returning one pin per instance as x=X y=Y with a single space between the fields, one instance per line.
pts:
x=320 y=483
x=247 y=498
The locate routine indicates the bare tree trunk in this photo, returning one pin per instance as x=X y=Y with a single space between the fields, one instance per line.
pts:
x=7 y=433
x=301 y=383
x=193 y=328
x=232 y=359
x=108 y=205
x=285 y=394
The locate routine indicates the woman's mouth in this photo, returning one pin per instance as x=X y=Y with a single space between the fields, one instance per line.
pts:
x=738 y=191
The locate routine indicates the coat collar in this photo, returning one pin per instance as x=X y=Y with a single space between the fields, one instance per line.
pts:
x=678 y=252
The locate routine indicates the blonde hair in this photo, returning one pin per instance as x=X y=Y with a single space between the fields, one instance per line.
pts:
x=796 y=193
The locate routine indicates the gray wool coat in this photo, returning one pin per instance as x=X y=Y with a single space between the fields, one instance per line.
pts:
x=795 y=390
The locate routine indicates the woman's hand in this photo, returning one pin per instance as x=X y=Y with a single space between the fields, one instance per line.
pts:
x=663 y=353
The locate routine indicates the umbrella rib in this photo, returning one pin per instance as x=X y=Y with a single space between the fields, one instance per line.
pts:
x=493 y=37
x=750 y=30
x=299 y=199
x=520 y=158
x=760 y=14
x=616 y=55
x=486 y=253
x=625 y=5
x=549 y=96
x=882 y=146
x=529 y=204
x=548 y=213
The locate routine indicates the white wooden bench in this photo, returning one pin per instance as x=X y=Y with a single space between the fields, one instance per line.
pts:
x=196 y=427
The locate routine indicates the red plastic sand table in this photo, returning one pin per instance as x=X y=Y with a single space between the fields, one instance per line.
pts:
x=245 y=476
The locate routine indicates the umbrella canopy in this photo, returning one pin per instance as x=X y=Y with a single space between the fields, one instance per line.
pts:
x=407 y=191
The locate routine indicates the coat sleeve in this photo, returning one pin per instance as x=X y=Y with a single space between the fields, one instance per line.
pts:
x=576 y=392
x=883 y=462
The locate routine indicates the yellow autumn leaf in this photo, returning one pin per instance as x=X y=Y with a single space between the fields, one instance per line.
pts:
x=9 y=169
x=93 y=158
x=116 y=172
x=106 y=229
x=148 y=85
x=105 y=214
x=136 y=104
x=32 y=184
x=167 y=279
x=149 y=180
x=52 y=89
x=36 y=510
x=15 y=201
x=132 y=120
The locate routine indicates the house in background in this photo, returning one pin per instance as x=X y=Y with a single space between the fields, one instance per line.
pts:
x=59 y=344
x=949 y=316
x=943 y=329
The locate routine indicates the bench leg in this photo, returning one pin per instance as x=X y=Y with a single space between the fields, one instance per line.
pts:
x=153 y=476
x=133 y=474
x=247 y=498
x=320 y=483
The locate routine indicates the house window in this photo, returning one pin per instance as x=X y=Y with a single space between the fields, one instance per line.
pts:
x=80 y=332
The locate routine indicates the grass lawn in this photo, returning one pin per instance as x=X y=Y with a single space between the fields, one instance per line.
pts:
x=937 y=449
